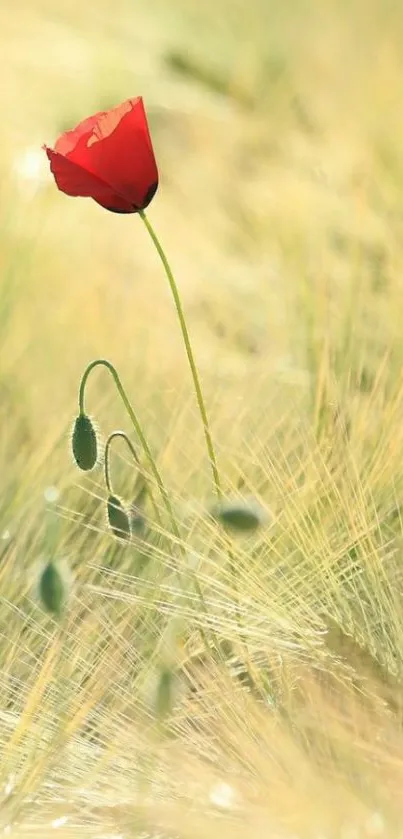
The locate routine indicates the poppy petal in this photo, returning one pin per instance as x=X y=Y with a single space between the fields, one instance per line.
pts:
x=68 y=141
x=107 y=121
x=73 y=179
x=119 y=150
x=108 y=157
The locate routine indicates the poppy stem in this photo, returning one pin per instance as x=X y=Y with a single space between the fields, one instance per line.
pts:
x=107 y=471
x=189 y=351
x=202 y=409
x=130 y=446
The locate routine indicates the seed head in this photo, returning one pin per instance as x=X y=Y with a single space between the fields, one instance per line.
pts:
x=84 y=443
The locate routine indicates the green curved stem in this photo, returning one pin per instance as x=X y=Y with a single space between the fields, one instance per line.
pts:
x=123 y=436
x=189 y=352
x=102 y=362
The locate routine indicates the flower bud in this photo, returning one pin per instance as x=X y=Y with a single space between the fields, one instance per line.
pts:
x=239 y=515
x=118 y=518
x=165 y=692
x=84 y=443
x=52 y=589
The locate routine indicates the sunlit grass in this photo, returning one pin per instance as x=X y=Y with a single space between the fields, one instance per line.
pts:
x=278 y=134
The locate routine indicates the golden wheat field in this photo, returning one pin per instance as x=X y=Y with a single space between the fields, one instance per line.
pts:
x=202 y=682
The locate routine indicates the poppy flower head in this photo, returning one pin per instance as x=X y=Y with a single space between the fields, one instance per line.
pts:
x=108 y=157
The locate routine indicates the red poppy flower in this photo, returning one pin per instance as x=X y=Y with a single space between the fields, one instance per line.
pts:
x=108 y=157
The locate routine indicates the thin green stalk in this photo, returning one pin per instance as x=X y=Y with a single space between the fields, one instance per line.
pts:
x=197 y=386
x=189 y=351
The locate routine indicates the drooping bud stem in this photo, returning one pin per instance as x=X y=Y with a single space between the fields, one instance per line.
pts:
x=102 y=362
x=129 y=444
x=141 y=484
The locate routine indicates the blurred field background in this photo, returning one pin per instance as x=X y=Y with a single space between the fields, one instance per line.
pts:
x=278 y=131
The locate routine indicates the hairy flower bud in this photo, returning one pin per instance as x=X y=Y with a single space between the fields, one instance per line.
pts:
x=53 y=589
x=118 y=518
x=239 y=515
x=84 y=443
